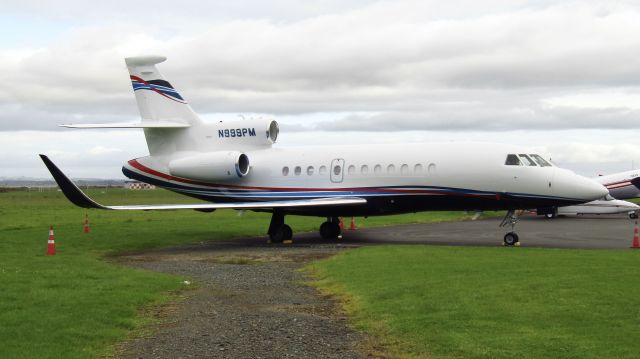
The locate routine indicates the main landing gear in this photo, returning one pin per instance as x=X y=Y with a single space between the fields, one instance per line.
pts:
x=510 y=219
x=278 y=231
x=331 y=228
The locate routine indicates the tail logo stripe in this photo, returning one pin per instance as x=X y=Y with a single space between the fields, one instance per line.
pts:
x=161 y=87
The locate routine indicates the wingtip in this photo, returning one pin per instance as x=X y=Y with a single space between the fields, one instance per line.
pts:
x=69 y=189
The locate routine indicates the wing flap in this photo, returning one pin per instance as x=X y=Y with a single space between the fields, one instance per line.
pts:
x=80 y=199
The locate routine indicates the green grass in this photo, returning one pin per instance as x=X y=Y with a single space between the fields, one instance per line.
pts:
x=467 y=302
x=77 y=304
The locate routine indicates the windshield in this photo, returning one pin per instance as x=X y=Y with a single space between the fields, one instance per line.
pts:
x=526 y=160
x=541 y=161
x=523 y=159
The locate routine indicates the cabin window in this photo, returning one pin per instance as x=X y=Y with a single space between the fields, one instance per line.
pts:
x=541 y=161
x=297 y=171
x=285 y=171
x=310 y=171
x=364 y=169
x=391 y=169
x=513 y=160
x=322 y=170
x=351 y=170
x=418 y=169
x=526 y=160
x=404 y=169
x=336 y=170
x=377 y=169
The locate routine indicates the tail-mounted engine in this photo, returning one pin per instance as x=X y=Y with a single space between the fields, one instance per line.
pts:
x=211 y=166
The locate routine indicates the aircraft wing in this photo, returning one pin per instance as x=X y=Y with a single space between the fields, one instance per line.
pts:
x=80 y=199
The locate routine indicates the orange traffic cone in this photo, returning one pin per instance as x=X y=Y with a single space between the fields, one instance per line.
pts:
x=636 y=239
x=51 y=244
x=341 y=223
x=352 y=226
x=86 y=224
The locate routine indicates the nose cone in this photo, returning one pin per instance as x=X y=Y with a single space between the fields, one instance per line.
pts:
x=570 y=185
x=627 y=205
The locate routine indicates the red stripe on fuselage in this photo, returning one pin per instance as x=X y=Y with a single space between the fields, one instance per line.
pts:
x=617 y=187
x=617 y=183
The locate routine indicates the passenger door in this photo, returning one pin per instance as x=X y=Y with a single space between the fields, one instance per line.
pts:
x=337 y=170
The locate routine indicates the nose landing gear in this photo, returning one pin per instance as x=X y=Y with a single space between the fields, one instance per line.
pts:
x=510 y=219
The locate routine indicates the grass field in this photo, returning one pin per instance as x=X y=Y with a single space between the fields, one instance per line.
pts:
x=468 y=302
x=77 y=304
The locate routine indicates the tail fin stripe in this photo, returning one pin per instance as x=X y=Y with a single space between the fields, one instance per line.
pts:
x=165 y=89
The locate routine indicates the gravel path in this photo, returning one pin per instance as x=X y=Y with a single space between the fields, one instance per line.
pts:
x=250 y=303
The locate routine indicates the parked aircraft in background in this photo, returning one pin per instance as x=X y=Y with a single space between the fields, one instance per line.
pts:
x=606 y=205
x=623 y=185
x=233 y=164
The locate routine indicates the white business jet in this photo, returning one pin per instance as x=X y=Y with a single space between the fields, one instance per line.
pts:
x=233 y=164
x=606 y=205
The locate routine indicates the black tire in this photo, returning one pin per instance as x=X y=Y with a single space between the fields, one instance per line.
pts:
x=281 y=234
x=276 y=236
x=550 y=215
x=633 y=215
x=329 y=230
x=511 y=238
x=287 y=233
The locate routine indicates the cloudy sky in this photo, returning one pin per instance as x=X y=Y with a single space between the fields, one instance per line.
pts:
x=562 y=77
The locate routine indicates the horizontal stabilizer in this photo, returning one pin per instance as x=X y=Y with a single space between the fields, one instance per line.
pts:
x=145 y=124
x=80 y=199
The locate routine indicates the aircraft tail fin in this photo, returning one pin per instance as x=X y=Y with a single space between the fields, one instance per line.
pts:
x=157 y=99
x=159 y=102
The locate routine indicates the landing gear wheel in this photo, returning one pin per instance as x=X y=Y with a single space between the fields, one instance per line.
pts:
x=287 y=232
x=329 y=230
x=280 y=234
x=633 y=215
x=511 y=239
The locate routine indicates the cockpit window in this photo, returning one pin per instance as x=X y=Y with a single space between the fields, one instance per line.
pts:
x=526 y=160
x=541 y=161
x=513 y=160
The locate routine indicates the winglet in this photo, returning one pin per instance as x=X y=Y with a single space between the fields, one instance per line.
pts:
x=70 y=190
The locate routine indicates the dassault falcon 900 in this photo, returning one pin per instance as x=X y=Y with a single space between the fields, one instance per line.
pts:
x=233 y=164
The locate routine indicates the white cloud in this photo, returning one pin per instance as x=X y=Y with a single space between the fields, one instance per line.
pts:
x=101 y=150
x=385 y=66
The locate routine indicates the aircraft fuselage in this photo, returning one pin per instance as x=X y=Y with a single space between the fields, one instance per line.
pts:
x=394 y=178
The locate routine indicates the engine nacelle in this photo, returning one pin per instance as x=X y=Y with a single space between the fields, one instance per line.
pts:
x=256 y=132
x=211 y=166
